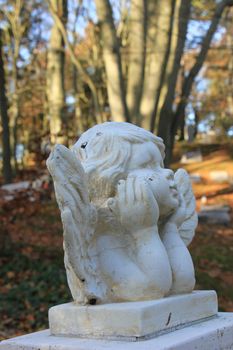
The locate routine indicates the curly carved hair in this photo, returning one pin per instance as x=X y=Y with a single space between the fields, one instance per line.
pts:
x=106 y=150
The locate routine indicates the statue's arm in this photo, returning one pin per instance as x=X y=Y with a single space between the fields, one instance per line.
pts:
x=178 y=254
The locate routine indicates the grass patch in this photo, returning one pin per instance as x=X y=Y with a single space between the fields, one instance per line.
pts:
x=29 y=287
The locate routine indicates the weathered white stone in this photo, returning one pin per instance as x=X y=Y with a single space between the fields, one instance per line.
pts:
x=133 y=319
x=213 y=334
x=127 y=221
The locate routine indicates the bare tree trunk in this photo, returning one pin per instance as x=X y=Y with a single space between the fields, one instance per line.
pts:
x=15 y=107
x=137 y=56
x=7 y=172
x=166 y=113
x=112 y=61
x=152 y=15
x=78 y=113
x=14 y=112
x=197 y=118
x=159 y=14
x=55 y=74
x=169 y=65
x=182 y=129
x=164 y=67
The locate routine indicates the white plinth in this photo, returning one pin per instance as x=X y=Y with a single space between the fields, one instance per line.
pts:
x=214 y=334
x=129 y=321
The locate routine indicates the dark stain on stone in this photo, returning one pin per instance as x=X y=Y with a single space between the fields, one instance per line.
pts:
x=169 y=319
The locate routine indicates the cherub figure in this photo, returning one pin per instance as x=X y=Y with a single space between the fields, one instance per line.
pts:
x=126 y=219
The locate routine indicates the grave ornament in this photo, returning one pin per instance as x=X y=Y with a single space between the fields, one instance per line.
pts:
x=127 y=220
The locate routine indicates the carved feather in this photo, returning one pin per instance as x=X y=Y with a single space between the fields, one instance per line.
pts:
x=187 y=228
x=78 y=218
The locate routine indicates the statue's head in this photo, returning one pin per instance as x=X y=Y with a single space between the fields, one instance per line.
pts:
x=111 y=150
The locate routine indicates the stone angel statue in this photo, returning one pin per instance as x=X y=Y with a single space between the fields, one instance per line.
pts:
x=127 y=221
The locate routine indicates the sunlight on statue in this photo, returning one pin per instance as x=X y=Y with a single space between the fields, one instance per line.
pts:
x=127 y=221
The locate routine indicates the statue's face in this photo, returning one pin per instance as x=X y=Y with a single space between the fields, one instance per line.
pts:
x=164 y=189
x=161 y=182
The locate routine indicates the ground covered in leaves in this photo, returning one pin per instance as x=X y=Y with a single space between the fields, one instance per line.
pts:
x=32 y=276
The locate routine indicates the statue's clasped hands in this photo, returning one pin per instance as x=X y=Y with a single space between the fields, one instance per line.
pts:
x=134 y=204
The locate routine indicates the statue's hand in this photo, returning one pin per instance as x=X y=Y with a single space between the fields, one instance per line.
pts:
x=179 y=215
x=134 y=205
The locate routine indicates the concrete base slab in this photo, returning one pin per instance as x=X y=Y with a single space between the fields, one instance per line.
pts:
x=214 y=334
x=133 y=319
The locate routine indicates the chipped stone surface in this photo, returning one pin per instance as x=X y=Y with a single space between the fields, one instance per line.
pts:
x=214 y=334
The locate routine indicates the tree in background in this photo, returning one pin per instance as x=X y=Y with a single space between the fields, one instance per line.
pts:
x=55 y=73
x=122 y=61
x=21 y=36
x=146 y=91
x=6 y=151
x=159 y=26
x=215 y=99
x=175 y=118
x=17 y=22
x=89 y=53
x=84 y=73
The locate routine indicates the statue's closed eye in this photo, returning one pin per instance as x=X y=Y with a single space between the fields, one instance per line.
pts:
x=83 y=145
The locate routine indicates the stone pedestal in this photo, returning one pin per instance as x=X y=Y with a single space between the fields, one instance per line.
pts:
x=214 y=334
x=133 y=320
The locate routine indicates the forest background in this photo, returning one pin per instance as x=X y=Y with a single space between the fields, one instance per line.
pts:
x=66 y=65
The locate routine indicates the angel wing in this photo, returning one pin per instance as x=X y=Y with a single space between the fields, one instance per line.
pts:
x=79 y=218
x=187 y=228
